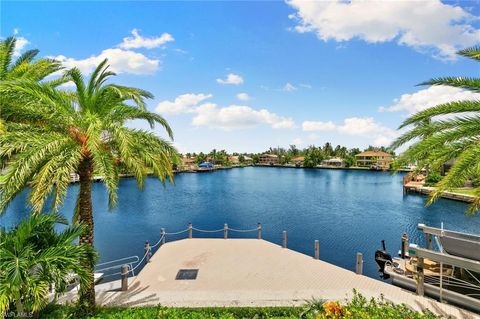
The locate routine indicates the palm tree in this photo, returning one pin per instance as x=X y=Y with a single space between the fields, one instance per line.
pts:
x=24 y=67
x=444 y=132
x=53 y=133
x=33 y=256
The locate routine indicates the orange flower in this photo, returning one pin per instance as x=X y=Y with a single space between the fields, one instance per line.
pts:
x=333 y=309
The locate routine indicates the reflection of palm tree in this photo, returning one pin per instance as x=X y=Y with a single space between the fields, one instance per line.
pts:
x=454 y=136
x=81 y=131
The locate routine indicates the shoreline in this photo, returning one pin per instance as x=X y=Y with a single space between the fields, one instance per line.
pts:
x=425 y=190
x=419 y=189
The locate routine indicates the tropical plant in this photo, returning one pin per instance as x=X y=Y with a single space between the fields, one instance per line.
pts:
x=25 y=67
x=54 y=133
x=445 y=132
x=34 y=257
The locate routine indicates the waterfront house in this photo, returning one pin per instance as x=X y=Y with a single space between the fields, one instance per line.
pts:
x=298 y=161
x=248 y=160
x=268 y=159
x=333 y=162
x=373 y=159
x=188 y=163
x=234 y=160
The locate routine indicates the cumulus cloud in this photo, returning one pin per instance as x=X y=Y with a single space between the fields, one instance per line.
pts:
x=426 y=98
x=121 y=61
x=448 y=29
x=136 y=41
x=309 y=126
x=355 y=126
x=20 y=44
x=289 y=87
x=231 y=79
x=225 y=118
x=238 y=117
x=185 y=103
x=243 y=96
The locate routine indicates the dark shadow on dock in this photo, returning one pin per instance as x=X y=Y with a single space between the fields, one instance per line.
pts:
x=118 y=298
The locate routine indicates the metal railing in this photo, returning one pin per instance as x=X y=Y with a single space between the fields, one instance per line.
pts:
x=127 y=268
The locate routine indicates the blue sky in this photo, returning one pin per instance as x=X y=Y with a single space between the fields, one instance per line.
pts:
x=306 y=72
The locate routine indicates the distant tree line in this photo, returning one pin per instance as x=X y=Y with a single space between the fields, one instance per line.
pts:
x=313 y=155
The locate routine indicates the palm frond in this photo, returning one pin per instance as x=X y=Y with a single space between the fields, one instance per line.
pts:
x=473 y=53
x=471 y=84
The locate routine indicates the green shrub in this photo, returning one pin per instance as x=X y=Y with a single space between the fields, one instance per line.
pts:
x=361 y=308
x=358 y=307
x=432 y=179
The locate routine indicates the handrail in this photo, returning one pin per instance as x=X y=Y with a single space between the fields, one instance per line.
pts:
x=208 y=231
x=120 y=259
x=148 y=249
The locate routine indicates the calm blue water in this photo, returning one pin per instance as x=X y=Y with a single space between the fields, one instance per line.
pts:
x=347 y=211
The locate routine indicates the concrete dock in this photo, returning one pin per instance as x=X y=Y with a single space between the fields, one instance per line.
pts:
x=251 y=272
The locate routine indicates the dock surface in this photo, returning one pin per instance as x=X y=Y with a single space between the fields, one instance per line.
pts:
x=252 y=272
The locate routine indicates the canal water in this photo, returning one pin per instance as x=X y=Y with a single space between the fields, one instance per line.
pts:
x=347 y=211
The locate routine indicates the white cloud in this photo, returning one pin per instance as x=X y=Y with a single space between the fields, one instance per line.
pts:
x=309 y=126
x=225 y=118
x=231 y=79
x=297 y=141
x=238 y=117
x=185 y=103
x=356 y=126
x=121 y=61
x=432 y=26
x=243 y=96
x=20 y=44
x=426 y=98
x=289 y=87
x=137 y=41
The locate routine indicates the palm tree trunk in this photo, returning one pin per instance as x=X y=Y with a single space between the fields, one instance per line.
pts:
x=85 y=170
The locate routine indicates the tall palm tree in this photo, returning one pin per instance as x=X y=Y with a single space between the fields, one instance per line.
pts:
x=444 y=132
x=53 y=133
x=33 y=256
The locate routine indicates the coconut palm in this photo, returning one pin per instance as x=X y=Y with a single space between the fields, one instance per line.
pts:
x=444 y=132
x=54 y=133
x=34 y=257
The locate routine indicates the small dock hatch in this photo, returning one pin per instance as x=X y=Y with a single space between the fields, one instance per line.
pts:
x=187 y=274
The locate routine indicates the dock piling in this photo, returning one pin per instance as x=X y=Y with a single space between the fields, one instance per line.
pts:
x=225 y=231
x=124 y=271
x=190 y=230
x=420 y=277
x=404 y=246
x=317 y=249
x=285 y=239
x=259 y=230
x=148 y=254
x=359 y=267
x=162 y=235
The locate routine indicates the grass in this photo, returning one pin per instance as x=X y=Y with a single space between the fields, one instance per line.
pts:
x=465 y=191
x=357 y=308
